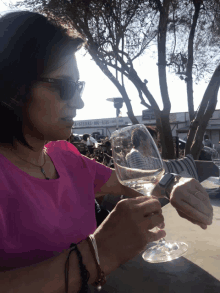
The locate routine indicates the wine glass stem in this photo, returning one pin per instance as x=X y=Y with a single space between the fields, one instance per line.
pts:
x=162 y=239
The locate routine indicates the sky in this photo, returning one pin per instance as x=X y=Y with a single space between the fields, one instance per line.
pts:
x=98 y=87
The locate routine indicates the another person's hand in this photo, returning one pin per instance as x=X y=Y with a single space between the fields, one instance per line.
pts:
x=192 y=202
x=125 y=232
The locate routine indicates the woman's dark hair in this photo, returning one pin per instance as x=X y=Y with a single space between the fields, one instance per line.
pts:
x=85 y=136
x=136 y=135
x=30 y=46
x=153 y=131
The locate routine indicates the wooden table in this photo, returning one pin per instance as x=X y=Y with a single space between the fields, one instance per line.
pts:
x=197 y=271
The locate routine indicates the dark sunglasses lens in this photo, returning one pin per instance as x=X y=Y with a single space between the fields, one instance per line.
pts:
x=67 y=90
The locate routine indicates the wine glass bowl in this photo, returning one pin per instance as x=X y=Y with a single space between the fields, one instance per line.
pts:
x=133 y=166
x=139 y=166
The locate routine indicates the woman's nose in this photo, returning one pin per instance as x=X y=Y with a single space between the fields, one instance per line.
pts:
x=76 y=102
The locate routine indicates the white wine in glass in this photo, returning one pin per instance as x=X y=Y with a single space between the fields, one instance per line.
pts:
x=139 y=166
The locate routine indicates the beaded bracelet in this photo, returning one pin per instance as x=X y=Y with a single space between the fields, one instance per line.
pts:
x=83 y=271
x=101 y=279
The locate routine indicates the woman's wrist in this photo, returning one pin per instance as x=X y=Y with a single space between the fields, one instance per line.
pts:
x=101 y=280
x=161 y=192
x=106 y=262
x=169 y=189
x=88 y=260
x=171 y=186
x=158 y=191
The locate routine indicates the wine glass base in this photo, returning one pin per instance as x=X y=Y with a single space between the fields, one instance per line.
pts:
x=164 y=251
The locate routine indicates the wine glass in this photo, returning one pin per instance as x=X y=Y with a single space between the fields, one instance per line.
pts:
x=139 y=166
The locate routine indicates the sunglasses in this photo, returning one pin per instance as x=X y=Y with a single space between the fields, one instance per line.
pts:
x=67 y=88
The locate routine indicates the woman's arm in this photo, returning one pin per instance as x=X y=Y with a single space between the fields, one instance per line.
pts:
x=113 y=186
x=190 y=200
x=197 y=209
x=123 y=235
x=48 y=276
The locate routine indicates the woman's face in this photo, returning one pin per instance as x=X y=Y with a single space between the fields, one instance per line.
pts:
x=45 y=109
x=143 y=142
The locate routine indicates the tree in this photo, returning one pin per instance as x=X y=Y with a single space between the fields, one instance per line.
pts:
x=208 y=105
x=201 y=19
x=118 y=31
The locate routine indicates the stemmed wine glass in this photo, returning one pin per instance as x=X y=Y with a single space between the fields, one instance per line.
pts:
x=138 y=165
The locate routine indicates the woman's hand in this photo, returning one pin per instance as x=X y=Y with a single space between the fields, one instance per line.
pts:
x=125 y=232
x=192 y=202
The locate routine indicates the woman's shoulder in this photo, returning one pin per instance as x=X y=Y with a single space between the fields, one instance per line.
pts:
x=61 y=145
x=133 y=153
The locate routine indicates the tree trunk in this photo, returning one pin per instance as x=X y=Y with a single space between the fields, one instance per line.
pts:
x=199 y=124
x=190 y=97
x=163 y=122
x=189 y=78
x=163 y=125
x=197 y=145
x=121 y=88
x=162 y=34
x=162 y=118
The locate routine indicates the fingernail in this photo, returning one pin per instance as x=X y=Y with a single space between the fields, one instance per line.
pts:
x=164 y=233
x=161 y=226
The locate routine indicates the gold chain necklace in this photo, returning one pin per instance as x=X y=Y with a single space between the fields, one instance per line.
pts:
x=41 y=167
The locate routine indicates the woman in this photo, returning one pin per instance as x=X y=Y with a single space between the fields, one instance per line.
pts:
x=47 y=190
x=136 y=157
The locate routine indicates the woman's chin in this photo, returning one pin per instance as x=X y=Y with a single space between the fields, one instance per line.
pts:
x=60 y=136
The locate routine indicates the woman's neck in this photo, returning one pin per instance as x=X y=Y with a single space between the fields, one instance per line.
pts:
x=36 y=156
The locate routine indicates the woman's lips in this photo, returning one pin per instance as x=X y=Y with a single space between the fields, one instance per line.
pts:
x=68 y=119
x=69 y=123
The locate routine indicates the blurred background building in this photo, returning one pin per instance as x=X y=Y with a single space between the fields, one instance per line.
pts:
x=179 y=124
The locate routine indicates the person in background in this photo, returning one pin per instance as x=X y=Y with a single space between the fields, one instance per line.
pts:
x=90 y=142
x=154 y=133
x=156 y=136
x=88 y=139
x=71 y=139
x=136 y=157
x=207 y=142
x=47 y=209
x=218 y=148
x=84 y=138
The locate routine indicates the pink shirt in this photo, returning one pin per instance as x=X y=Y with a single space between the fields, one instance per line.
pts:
x=38 y=217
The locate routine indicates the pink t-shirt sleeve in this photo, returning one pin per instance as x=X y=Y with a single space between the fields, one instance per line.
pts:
x=101 y=173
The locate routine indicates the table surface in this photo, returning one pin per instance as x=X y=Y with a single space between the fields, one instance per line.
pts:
x=197 y=271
